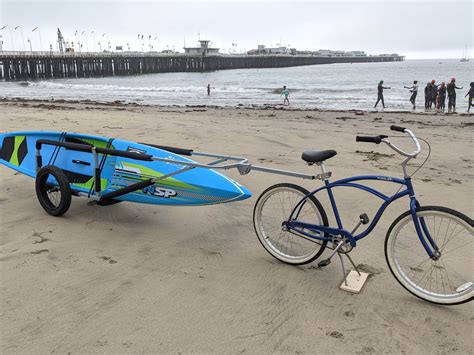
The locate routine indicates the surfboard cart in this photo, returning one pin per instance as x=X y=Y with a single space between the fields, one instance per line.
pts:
x=54 y=190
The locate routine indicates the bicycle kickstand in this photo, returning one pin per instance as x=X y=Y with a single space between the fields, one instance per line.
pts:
x=354 y=280
x=344 y=274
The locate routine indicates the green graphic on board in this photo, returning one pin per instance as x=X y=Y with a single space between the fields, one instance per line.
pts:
x=148 y=173
x=16 y=159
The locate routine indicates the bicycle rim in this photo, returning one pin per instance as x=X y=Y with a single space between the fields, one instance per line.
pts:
x=448 y=280
x=274 y=207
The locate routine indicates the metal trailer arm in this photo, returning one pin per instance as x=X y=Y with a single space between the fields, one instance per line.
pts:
x=239 y=163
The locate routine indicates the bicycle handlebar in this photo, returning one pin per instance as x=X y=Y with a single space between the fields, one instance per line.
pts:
x=397 y=128
x=398 y=150
x=383 y=139
x=370 y=139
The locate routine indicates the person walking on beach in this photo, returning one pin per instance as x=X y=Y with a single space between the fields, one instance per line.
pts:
x=471 y=97
x=380 y=88
x=451 y=88
x=286 y=93
x=414 y=92
x=441 y=97
x=208 y=89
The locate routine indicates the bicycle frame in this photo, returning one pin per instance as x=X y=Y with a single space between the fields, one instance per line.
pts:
x=325 y=233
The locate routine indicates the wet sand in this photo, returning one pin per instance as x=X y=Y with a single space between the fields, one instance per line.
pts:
x=132 y=278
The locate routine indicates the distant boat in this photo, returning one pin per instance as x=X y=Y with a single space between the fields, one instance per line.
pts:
x=464 y=55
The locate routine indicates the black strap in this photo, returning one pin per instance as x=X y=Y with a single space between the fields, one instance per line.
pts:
x=55 y=154
x=101 y=165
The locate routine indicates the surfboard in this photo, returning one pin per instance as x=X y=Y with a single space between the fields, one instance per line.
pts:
x=197 y=186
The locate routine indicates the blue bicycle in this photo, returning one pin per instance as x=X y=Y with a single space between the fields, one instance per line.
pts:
x=428 y=248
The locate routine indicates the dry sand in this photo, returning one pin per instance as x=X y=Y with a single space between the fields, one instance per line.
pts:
x=143 y=279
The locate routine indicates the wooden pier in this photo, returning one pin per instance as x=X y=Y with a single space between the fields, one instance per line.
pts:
x=52 y=65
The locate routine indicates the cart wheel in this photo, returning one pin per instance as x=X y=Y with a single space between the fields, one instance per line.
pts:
x=53 y=191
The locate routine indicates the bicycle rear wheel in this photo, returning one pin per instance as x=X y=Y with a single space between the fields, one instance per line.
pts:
x=448 y=280
x=273 y=207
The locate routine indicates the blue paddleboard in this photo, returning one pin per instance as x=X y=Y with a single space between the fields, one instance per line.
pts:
x=197 y=186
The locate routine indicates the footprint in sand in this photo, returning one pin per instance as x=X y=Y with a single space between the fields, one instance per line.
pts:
x=335 y=334
x=109 y=259
x=40 y=251
x=370 y=269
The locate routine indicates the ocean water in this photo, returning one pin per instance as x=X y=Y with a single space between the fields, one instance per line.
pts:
x=331 y=86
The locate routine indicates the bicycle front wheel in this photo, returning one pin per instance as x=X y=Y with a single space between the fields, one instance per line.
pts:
x=273 y=207
x=448 y=280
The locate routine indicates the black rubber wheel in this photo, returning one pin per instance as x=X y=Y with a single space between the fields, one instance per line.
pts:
x=281 y=244
x=53 y=190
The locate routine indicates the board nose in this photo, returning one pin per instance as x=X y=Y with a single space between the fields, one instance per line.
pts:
x=245 y=194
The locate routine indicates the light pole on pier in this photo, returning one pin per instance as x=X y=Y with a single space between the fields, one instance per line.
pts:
x=87 y=42
x=22 y=38
x=77 y=40
x=11 y=36
x=39 y=34
x=29 y=41
x=93 y=36
x=104 y=36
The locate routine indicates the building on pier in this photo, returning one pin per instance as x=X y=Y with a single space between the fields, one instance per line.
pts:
x=203 y=49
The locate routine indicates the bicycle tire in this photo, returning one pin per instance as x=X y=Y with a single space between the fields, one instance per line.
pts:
x=443 y=290
x=275 y=248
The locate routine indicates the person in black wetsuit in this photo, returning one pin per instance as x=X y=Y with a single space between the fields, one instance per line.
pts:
x=380 y=88
x=441 y=97
x=428 y=95
x=471 y=97
x=414 y=92
x=451 y=88
x=434 y=94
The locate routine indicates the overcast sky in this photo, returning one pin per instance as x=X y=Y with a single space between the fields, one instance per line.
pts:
x=417 y=29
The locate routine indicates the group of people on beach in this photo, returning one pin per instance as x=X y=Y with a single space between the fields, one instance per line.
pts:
x=435 y=95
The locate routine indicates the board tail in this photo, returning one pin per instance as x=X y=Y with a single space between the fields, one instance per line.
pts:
x=2 y=135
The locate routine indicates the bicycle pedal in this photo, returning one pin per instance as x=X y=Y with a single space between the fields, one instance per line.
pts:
x=364 y=219
x=324 y=263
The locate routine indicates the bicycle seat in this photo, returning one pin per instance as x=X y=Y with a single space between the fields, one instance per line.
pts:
x=316 y=156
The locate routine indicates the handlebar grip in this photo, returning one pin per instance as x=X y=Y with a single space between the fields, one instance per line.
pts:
x=370 y=139
x=397 y=128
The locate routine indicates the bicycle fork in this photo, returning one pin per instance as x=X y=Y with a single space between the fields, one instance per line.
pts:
x=423 y=232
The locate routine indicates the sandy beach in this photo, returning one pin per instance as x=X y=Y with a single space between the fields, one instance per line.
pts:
x=132 y=278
